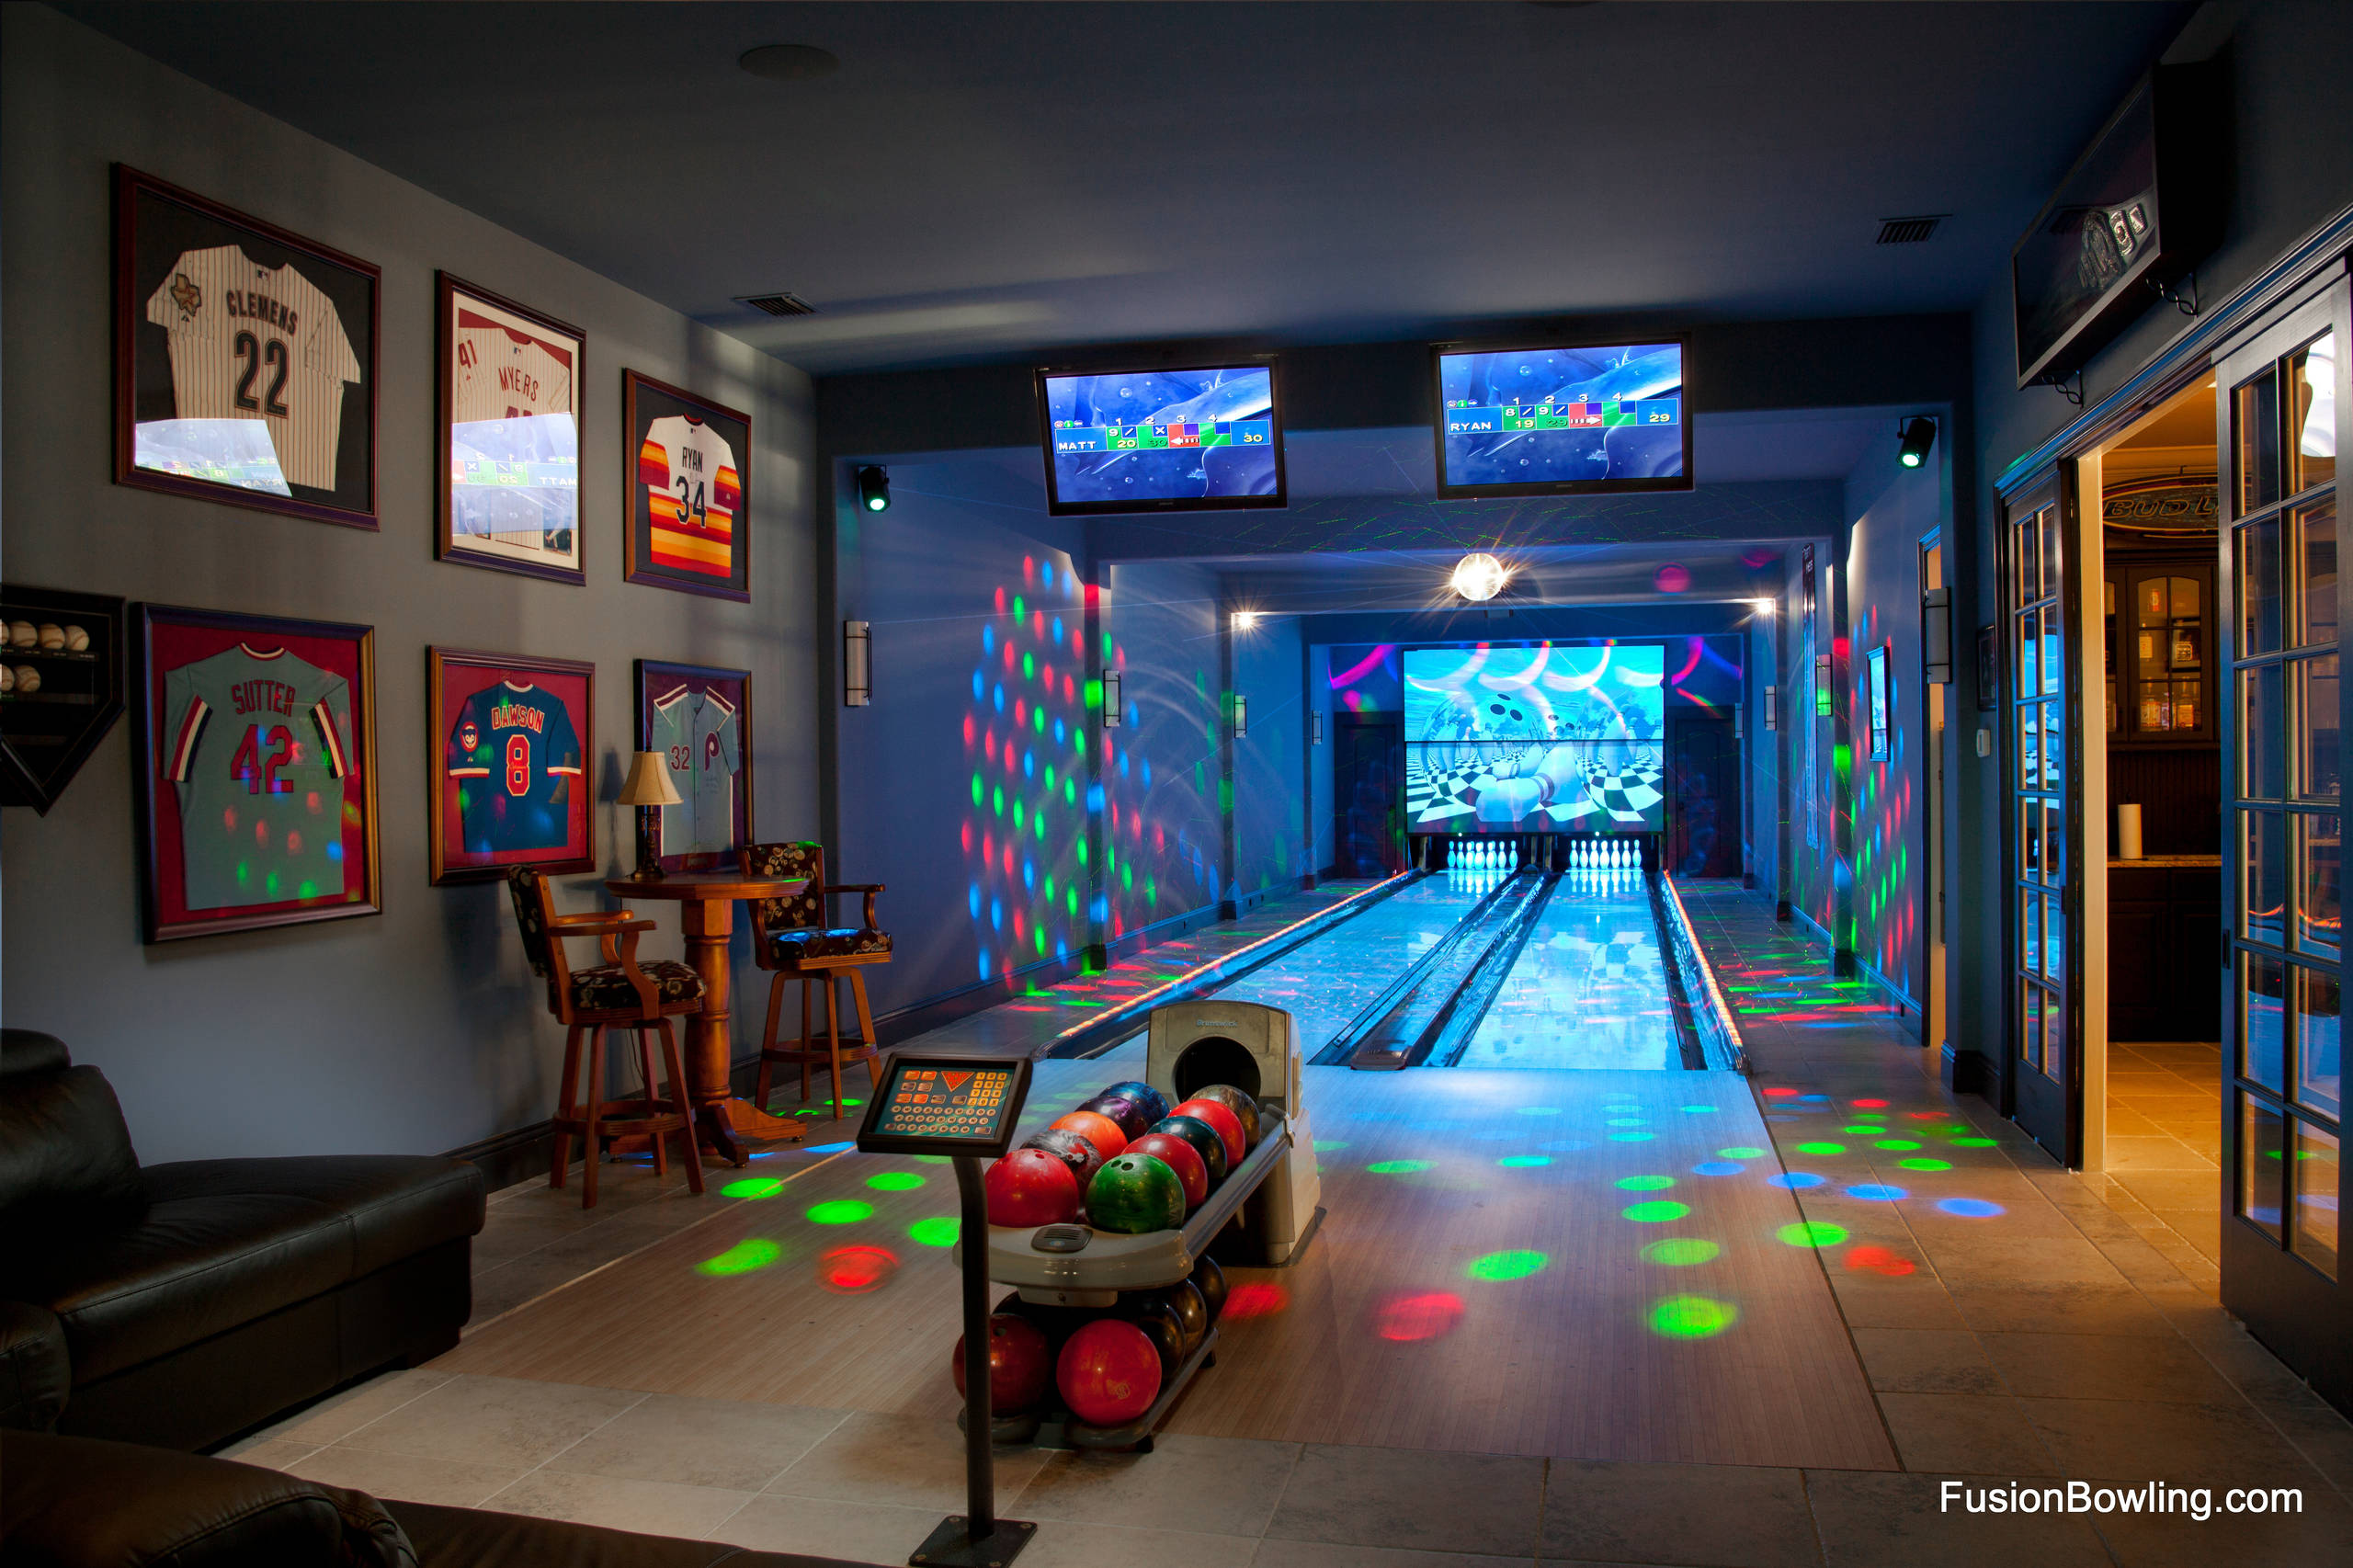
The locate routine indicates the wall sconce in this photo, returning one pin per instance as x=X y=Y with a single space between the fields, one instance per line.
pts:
x=1316 y=727
x=857 y=664
x=1772 y=708
x=1241 y=714
x=1112 y=716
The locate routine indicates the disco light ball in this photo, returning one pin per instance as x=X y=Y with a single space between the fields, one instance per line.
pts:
x=1479 y=577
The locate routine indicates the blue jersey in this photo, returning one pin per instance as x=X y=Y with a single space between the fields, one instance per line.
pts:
x=516 y=759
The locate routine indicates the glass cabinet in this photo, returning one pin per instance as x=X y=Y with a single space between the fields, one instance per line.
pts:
x=2160 y=624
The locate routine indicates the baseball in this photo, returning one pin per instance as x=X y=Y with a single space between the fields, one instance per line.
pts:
x=22 y=635
x=52 y=637
x=77 y=640
x=7 y=679
x=27 y=678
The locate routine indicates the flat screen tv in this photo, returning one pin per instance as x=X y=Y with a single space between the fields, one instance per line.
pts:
x=1548 y=738
x=1189 y=438
x=1558 y=419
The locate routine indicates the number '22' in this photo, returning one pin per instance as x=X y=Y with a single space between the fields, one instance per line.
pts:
x=255 y=354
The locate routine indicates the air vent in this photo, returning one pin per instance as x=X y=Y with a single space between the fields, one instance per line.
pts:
x=786 y=305
x=1908 y=231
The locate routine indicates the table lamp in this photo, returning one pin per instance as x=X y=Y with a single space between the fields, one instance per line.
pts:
x=649 y=791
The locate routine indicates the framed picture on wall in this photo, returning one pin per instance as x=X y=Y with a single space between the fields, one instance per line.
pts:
x=1875 y=676
x=509 y=493
x=255 y=769
x=245 y=358
x=701 y=719
x=510 y=739
x=1989 y=671
x=686 y=490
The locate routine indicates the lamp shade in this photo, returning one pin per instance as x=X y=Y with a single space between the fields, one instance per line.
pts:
x=649 y=781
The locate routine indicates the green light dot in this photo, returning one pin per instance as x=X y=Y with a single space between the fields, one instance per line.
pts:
x=753 y=1187
x=894 y=1181
x=1811 y=1234
x=839 y=1211
x=1646 y=1183
x=1898 y=1144
x=1973 y=1143
x=1631 y=1137
x=1864 y=1129
x=1680 y=1252
x=1070 y=793
x=1082 y=852
x=1017 y=611
x=1658 y=1211
x=1017 y=816
x=979 y=789
x=933 y=1160
x=1497 y=1266
x=1741 y=1152
x=1822 y=1148
x=1397 y=1167
x=996 y=801
x=742 y=1258
x=1038 y=720
x=1924 y=1165
x=1522 y=1162
x=1029 y=667
x=1326 y=1145
x=939 y=1231
x=1691 y=1317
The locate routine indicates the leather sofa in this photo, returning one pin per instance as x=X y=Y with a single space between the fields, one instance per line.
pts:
x=179 y=1304
x=74 y=1503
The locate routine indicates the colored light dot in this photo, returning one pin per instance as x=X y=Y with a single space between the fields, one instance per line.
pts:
x=1822 y=1148
x=1924 y=1165
x=939 y=1231
x=1680 y=1252
x=1796 y=1181
x=753 y=1187
x=1973 y=1143
x=1691 y=1317
x=1658 y=1211
x=1878 y=1192
x=829 y=1148
x=1497 y=1266
x=1520 y=1162
x=1539 y=1110
x=1645 y=1183
x=927 y=1159
x=894 y=1181
x=1631 y=1137
x=742 y=1258
x=1898 y=1144
x=1624 y=1121
x=839 y=1211
x=1864 y=1129
x=1326 y=1145
x=1397 y=1167
x=1717 y=1167
x=1969 y=1208
x=1742 y=1152
x=1811 y=1234
x=1695 y=1109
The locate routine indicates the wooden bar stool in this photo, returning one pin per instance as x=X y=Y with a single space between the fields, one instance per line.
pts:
x=791 y=939
x=619 y=993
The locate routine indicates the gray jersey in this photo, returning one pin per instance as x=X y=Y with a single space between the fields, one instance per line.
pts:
x=698 y=735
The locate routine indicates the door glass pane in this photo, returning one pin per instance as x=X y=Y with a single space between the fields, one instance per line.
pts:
x=2263 y=915
x=2031 y=933
x=2054 y=937
x=2182 y=594
x=2030 y=1024
x=2054 y=845
x=2314 y=1237
x=2312 y=413
x=2262 y=1165
x=2263 y=1050
x=2050 y=650
x=2028 y=682
x=2030 y=748
x=2320 y=759
x=2054 y=1039
x=2320 y=923
x=2258 y=569
x=2186 y=700
x=2255 y=419
x=2030 y=839
x=2030 y=561
x=2055 y=747
x=2050 y=551
x=2315 y=567
x=2317 y=1063
x=2263 y=753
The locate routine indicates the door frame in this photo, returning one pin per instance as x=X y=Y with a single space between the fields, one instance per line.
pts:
x=1936 y=724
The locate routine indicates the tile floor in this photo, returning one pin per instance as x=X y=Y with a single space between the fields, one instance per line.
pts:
x=2015 y=1322
x=2164 y=1131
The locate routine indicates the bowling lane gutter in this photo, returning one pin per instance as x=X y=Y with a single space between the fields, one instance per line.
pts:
x=1108 y=1029
x=1360 y=1044
x=1448 y=1035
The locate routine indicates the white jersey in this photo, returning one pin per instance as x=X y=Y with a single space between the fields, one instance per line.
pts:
x=501 y=376
x=262 y=343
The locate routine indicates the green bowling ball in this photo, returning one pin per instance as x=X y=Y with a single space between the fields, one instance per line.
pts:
x=1133 y=1194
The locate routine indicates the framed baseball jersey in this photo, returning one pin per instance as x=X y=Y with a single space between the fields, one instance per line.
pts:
x=699 y=719
x=510 y=431
x=686 y=490
x=255 y=771
x=510 y=740
x=245 y=358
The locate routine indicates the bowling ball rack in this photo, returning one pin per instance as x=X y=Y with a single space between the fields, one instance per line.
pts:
x=1070 y=1265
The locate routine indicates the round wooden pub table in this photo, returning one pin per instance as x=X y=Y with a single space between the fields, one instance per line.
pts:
x=706 y=902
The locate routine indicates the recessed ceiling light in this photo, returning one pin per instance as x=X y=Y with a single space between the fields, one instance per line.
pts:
x=789 y=62
x=1479 y=577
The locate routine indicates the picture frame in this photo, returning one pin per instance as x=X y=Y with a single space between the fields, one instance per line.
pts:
x=700 y=718
x=246 y=358
x=1875 y=675
x=1989 y=670
x=686 y=490
x=510 y=739
x=508 y=383
x=254 y=770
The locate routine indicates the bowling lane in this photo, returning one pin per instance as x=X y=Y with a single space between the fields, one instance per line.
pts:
x=1589 y=988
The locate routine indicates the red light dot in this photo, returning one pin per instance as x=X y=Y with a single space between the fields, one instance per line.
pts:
x=1000 y=601
x=1008 y=656
x=1779 y=1093
x=1070 y=690
x=969 y=728
x=967 y=838
x=1254 y=1300
x=1037 y=623
x=854 y=1270
x=312 y=800
x=1020 y=717
x=1872 y=1105
x=1879 y=1261
x=229 y=819
x=1046 y=674
x=261 y=834
x=1029 y=569
x=293 y=843
x=1406 y=1318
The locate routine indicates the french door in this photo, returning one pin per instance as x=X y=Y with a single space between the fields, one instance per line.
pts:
x=2282 y=395
x=2042 y=1070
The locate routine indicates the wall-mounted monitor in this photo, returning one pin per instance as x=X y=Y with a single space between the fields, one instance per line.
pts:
x=1549 y=738
x=1557 y=419
x=1201 y=437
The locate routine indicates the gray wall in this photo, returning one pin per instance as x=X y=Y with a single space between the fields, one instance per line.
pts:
x=420 y=1029
x=1270 y=796
x=1162 y=772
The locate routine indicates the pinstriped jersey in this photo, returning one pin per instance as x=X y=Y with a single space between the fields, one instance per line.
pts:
x=514 y=755
x=693 y=494
x=697 y=734
x=259 y=750
x=257 y=343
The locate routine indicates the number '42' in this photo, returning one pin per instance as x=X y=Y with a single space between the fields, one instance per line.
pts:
x=259 y=756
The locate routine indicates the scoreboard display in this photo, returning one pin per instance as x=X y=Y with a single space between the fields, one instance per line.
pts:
x=945 y=1105
x=1074 y=437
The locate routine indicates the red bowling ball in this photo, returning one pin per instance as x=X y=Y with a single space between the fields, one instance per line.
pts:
x=1021 y=1360
x=1030 y=1187
x=1179 y=1156
x=1108 y=1373
x=1221 y=1118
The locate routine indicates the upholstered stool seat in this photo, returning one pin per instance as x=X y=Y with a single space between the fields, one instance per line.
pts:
x=608 y=987
x=796 y=939
x=799 y=946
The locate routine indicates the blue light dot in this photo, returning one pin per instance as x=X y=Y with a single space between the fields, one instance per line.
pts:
x=985 y=965
x=829 y=1148
x=973 y=900
x=1029 y=765
x=980 y=686
x=988 y=638
x=1123 y=764
x=1797 y=1181
x=335 y=849
x=997 y=694
x=1058 y=624
x=1969 y=1208
x=1875 y=1192
x=1147 y=773
x=1695 y=1109
x=1631 y=1137
x=1030 y=874
x=1058 y=731
x=1046 y=580
x=1814 y=1099
x=1717 y=1167
x=996 y=914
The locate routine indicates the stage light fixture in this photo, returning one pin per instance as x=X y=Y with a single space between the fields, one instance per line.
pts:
x=1479 y=577
x=1111 y=719
x=874 y=488
x=857 y=664
x=1918 y=435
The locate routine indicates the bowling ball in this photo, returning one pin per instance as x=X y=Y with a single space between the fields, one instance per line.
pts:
x=1204 y=1140
x=1127 y=1115
x=1210 y=1280
x=1133 y=1194
x=1098 y=1129
x=1057 y=1324
x=1079 y=1153
x=1161 y=1325
x=1245 y=1109
x=1192 y=1313
x=1021 y=1365
x=1228 y=1125
x=1182 y=1158
x=1030 y=1187
x=1108 y=1372
x=1154 y=1103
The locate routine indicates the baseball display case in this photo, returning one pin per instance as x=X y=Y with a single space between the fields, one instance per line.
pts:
x=61 y=688
x=699 y=719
